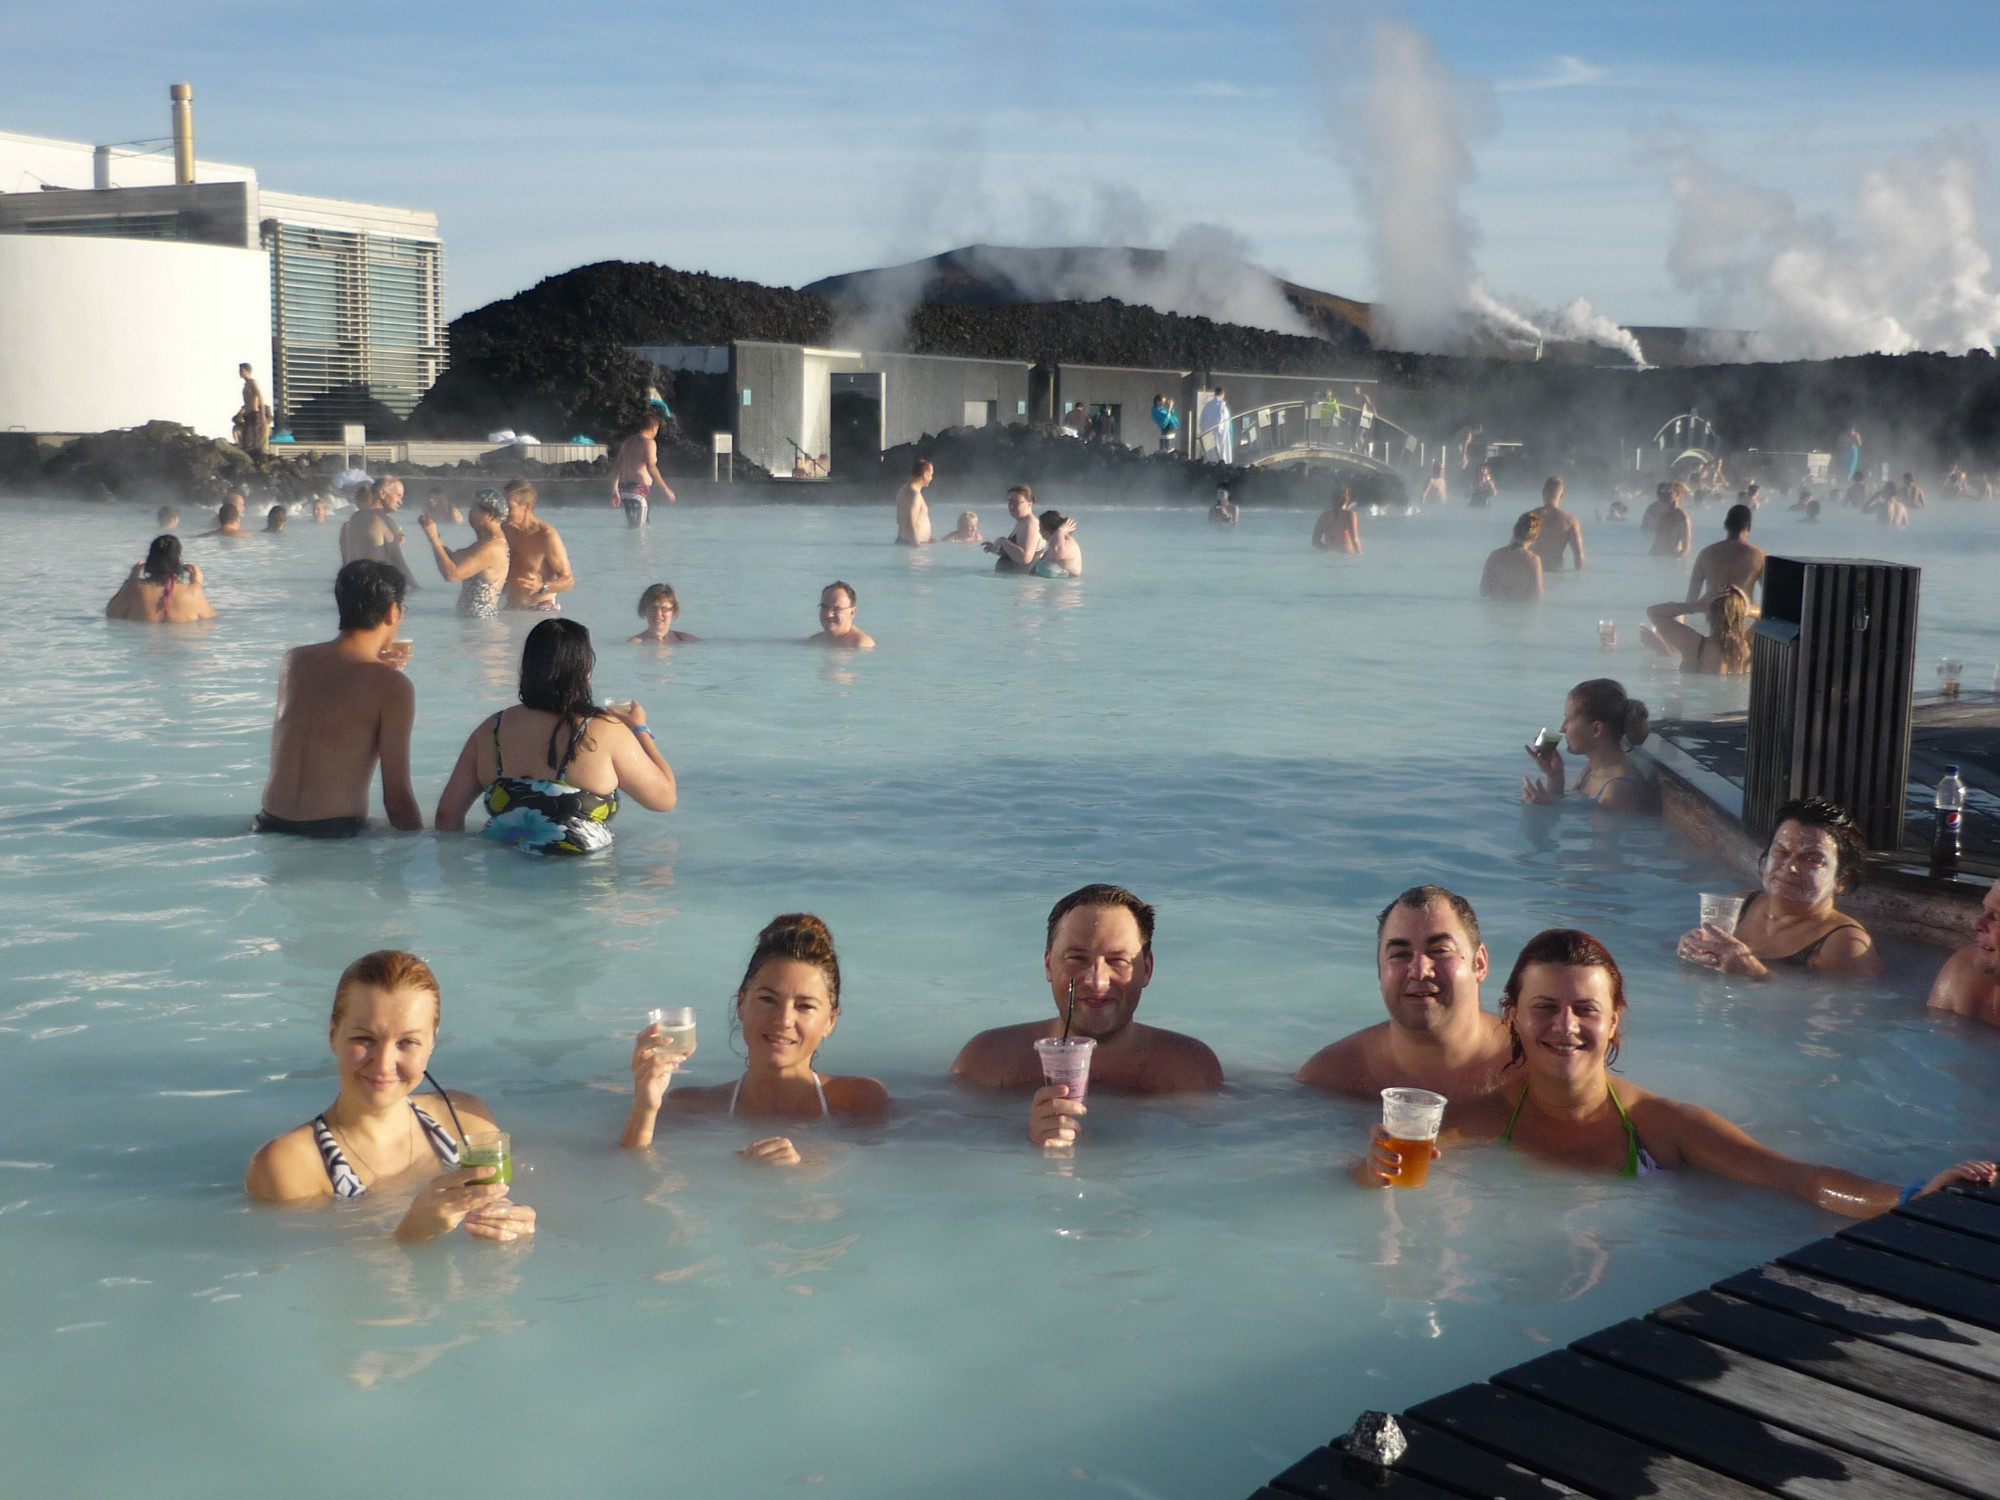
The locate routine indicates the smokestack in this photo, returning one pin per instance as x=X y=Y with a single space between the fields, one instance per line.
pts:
x=183 y=96
x=100 y=167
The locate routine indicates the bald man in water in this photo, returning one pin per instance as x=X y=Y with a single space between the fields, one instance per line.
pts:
x=1969 y=982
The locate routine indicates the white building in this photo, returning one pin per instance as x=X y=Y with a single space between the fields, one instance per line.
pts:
x=133 y=283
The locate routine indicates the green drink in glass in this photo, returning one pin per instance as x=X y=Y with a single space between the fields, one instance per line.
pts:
x=491 y=1149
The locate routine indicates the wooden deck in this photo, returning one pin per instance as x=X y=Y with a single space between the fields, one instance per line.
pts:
x=1863 y=1365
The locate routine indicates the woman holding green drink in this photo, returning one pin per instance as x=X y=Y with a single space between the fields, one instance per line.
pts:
x=376 y=1137
x=786 y=1007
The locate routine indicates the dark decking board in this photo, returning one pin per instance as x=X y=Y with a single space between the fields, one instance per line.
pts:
x=1863 y=1365
x=1719 y=1437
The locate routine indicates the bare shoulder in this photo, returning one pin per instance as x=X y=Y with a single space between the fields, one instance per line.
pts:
x=852 y=1094
x=1182 y=1062
x=1001 y=1058
x=473 y=1112
x=288 y=1169
x=1342 y=1067
x=1960 y=986
x=1483 y=1116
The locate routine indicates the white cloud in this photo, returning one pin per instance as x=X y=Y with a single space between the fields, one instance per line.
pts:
x=1567 y=73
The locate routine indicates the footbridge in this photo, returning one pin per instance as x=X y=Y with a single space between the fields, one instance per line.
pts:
x=1299 y=432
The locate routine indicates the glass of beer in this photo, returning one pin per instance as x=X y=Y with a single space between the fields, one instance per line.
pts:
x=1951 y=672
x=398 y=653
x=1607 y=634
x=492 y=1150
x=1410 y=1118
x=676 y=1034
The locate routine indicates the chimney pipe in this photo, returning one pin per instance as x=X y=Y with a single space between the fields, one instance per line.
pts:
x=183 y=95
x=100 y=167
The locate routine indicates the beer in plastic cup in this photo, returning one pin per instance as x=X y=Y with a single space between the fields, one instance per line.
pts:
x=1607 y=634
x=398 y=652
x=1410 y=1118
x=1951 y=672
x=1720 y=910
x=676 y=1034
x=491 y=1149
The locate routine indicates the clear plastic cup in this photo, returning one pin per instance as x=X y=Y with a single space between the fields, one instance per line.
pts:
x=1607 y=634
x=1066 y=1060
x=398 y=652
x=1721 y=910
x=1410 y=1118
x=676 y=1036
x=1951 y=674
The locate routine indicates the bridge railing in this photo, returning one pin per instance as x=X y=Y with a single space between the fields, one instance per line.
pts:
x=1285 y=426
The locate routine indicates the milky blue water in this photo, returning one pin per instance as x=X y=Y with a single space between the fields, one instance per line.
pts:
x=1265 y=741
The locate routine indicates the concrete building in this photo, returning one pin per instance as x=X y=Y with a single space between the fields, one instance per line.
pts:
x=132 y=283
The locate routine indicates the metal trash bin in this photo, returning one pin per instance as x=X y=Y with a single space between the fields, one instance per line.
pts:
x=1832 y=664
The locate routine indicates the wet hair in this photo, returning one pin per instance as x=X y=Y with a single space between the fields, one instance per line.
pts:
x=489 y=503
x=1729 y=627
x=388 y=969
x=364 y=591
x=918 y=466
x=1569 y=948
x=655 y=592
x=167 y=516
x=1527 y=526
x=230 y=511
x=1025 y=492
x=801 y=937
x=1850 y=848
x=1603 y=700
x=1102 y=895
x=274 y=518
x=967 y=518
x=1552 y=489
x=556 y=663
x=1052 y=521
x=1737 y=521
x=1423 y=898
x=163 y=559
x=853 y=599
x=649 y=422
x=521 y=490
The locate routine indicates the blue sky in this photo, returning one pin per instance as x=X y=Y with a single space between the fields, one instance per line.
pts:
x=782 y=141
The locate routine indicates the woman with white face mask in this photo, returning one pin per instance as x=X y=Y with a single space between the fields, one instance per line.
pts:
x=1815 y=853
x=1565 y=1008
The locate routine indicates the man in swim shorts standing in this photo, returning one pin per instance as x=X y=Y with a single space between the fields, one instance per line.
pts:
x=1969 y=982
x=1430 y=962
x=1099 y=954
x=636 y=470
x=537 y=564
x=913 y=513
x=341 y=709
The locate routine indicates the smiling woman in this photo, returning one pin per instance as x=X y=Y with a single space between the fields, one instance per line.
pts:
x=1565 y=1004
x=787 y=1006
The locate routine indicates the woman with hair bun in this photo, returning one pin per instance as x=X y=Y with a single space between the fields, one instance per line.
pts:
x=1600 y=723
x=787 y=1005
x=375 y=1137
x=1815 y=853
x=1565 y=1008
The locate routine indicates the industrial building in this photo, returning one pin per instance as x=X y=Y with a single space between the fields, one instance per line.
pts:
x=132 y=284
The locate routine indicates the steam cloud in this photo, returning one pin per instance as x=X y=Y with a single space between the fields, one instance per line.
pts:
x=1902 y=269
x=1406 y=135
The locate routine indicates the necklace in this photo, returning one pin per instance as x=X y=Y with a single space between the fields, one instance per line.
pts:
x=347 y=1145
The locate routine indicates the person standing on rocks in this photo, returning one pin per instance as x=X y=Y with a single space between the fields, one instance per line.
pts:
x=913 y=515
x=252 y=425
x=636 y=470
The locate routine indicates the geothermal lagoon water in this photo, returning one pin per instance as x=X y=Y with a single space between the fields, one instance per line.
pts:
x=1266 y=742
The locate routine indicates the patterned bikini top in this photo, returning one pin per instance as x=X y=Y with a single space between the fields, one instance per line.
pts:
x=346 y=1183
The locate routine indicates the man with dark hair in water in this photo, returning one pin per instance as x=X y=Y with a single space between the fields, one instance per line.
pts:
x=342 y=708
x=1559 y=532
x=1098 y=960
x=1429 y=962
x=1668 y=524
x=1729 y=563
x=913 y=516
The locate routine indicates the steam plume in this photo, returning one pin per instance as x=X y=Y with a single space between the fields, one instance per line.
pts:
x=1902 y=269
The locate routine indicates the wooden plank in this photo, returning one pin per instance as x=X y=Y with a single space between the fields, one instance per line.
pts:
x=1972 y=1401
x=1328 y=1474
x=1730 y=1441
x=1930 y=1287
x=1903 y=1235
x=1436 y=1455
x=1568 y=1448
x=1983 y=1194
x=1876 y=1430
x=1956 y=1211
x=1963 y=1346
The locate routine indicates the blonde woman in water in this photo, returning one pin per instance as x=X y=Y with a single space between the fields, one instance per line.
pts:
x=786 y=1007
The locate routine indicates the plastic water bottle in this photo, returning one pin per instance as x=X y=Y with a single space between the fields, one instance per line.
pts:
x=1949 y=829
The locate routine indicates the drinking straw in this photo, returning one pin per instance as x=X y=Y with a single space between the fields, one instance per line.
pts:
x=1069 y=1011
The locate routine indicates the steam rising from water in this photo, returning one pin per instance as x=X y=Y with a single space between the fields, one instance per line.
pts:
x=1902 y=269
x=1406 y=135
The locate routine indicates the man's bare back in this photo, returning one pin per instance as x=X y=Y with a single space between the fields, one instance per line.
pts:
x=341 y=710
x=1720 y=565
x=1559 y=533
